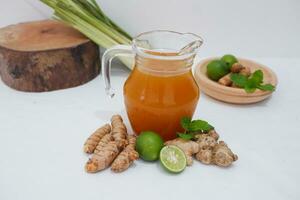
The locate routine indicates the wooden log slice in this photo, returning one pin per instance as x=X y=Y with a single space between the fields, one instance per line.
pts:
x=46 y=55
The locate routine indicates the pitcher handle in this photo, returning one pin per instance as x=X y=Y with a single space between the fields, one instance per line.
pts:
x=108 y=56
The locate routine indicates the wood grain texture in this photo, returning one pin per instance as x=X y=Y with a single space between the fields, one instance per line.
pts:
x=230 y=94
x=46 y=55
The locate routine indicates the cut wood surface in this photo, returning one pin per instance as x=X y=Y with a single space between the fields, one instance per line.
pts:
x=46 y=55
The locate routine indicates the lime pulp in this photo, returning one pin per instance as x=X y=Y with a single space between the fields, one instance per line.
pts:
x=172 y=158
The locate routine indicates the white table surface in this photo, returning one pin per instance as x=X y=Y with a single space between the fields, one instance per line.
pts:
x=41 y=138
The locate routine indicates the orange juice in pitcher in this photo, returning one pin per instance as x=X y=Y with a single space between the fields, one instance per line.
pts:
x=161 y=88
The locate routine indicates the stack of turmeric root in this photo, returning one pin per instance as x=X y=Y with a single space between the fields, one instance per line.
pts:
x=110 y=145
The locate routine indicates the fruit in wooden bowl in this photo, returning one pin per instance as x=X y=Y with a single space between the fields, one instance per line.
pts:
x=235 y=94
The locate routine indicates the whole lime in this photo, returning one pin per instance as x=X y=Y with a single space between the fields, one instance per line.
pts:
x=216 y=69
x=148 y=145
x=229 y=60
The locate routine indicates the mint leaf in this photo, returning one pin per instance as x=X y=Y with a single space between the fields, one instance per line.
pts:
x=210 y=127
x=186 y=136
x=266 y=87
x=250 y=86
x=191 y=127
x=199 y=125
x=239 y=79
x=249 y=89
x=257 y=77
x=185 y=123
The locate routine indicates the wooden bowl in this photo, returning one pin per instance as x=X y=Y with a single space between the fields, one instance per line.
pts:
x=230 y=94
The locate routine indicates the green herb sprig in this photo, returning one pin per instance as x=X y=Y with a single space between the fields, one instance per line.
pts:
x=193 y=127
x=250 y=84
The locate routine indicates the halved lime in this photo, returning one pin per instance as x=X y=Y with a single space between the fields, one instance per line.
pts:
x=172 y=158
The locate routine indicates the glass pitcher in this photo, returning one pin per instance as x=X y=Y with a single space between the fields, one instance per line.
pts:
x=161 y=88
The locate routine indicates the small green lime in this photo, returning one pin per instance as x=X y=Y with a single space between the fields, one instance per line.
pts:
x=172 y=158
x=216 y=69
x=148 y=145
x=229 y=60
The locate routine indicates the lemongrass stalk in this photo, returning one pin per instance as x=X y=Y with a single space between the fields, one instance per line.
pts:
x=106 y=19
x=93 y=7
x=96 y=5
x=90 y=31
x=114 y=25
x=70 y=6
x=110 y=26
x=99 y=24
x=84 y=27
x=96 y=11
x=87 y=17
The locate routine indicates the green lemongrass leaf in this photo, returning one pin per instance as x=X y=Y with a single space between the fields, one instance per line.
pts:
x=185 y=123
x=239 y=79
x=90 y=31
x=111 y=22
x=186 y=136
x=94 y=8
x=86 y=11
x=86 y=16
x=49 y=3
x=90 y=8
x=94 y=5
x=266 y=87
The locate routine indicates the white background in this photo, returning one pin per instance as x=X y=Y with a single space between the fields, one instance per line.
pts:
x=41 y=135
x=258 y=28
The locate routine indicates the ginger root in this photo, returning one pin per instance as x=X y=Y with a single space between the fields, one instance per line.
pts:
x=222 y=155
x=241 y=69
x=187 y=146
x=212 y=152
x=206 y=144
x=103 y=158
x=206 y=141
x=126 y=157
x=92 y=142
x=225 y=80
x=214 y=134
x=119 y=131
x=204 y=156
x=246 y=71
x=236 y=67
